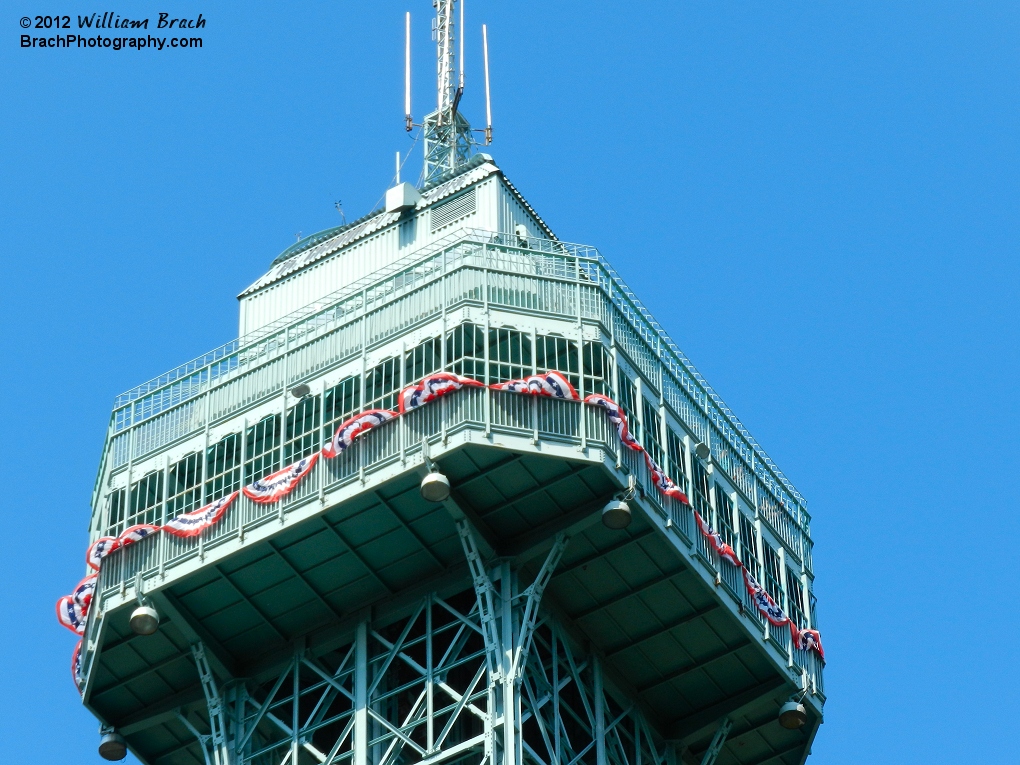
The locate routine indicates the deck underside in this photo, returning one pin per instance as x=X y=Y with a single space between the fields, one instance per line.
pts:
x=667 y=641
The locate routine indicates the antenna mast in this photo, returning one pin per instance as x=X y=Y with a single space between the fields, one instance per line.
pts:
x=447 y=134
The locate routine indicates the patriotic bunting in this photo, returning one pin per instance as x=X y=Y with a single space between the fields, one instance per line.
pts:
x=431 y=388
x=99 y=550
x=617 y=417
x=807 y=640
x=76 y=664
x=764 y=602
x=354 y=427
x=551 y=384
x=73 y=609
x=663 y=482
x=275 y=487
x=802 y=639
x=71 y=615
x=716 y=542
x=136 y=533
x=82 y=594
x=193 y=523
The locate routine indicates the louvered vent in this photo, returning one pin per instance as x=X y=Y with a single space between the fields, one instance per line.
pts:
x=453 y=209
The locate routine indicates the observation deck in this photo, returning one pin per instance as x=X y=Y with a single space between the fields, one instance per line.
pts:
x=664 y=634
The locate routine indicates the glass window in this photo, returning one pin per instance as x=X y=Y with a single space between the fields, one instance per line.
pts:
x=118 y=511
x=146 y=498
x=628 y=402
x=598 y=369
x=509 y=355
x=184 y=485
x=677 y=460
x=223 y=467
x=701 y=489
x=748 y=547
x=340 y=403
x=382 y=383
x=262 y=449
x=724 y=515
x=424 y=359
x=796 y=597
x=465 y=351
x=559 y=354
x=302 y=430
x=652 y=427
x=772 y=583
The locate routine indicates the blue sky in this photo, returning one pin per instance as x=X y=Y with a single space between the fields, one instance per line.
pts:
x=818 y=200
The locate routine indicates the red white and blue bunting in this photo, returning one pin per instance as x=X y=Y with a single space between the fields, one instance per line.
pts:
x=431 y=388
x=275 y=487
x=802 y=639
x=194 y=523
x=354 y=427
x=73 y=610
x=550 y=384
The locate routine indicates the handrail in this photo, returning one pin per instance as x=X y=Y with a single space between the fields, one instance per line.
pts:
x=479 y=236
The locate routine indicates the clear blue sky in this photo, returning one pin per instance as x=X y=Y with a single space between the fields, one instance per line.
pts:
x=818 y=200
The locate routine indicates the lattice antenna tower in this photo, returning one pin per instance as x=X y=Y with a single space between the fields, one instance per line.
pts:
x=449 y=138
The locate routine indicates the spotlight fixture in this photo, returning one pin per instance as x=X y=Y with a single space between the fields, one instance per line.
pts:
x=300 y=391
x=435 y=487
x=112 y=746
x=702 y=452
x=616 y=514
x=144 y=621
x=792 y=715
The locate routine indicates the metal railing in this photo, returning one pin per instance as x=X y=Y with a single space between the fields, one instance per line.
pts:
x=155 y=558
x=533 y=276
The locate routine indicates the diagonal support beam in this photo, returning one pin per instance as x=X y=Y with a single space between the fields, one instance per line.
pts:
x=718 y=742
x=486 y=595
x=214 y=702
x=534 y=598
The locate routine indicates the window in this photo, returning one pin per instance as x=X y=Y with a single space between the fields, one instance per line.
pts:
x=560 y=354
x=509 y=355
x=146 y=497
x=652 y=428
x=184 y=485
x=748 y=547
x=628 y=402
x=465 y=351
x=302 y=430
x=117 y=511
x=598 y=369
x=677 y=460
x=382 y=383
x=424 y=359
x=262 y=449
x=724 y=512
x=340 y=403
x=701 y=489
x=772 y=583
x=796 y=595
x=223 y=467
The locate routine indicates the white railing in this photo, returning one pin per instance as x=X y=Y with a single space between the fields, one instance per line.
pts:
x=535 y=276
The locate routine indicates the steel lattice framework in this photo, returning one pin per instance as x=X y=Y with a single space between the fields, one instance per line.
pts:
x=479 y=675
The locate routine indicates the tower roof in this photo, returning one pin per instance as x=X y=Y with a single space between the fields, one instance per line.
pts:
x=325 y=243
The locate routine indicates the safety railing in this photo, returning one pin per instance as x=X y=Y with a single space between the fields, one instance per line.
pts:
x=153 y=560
x=534 y=276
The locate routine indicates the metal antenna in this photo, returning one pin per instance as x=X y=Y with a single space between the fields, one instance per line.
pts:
x=340 y=209
x=447 y=134
x=488 y=102
x=398 y=168
x=408 y=124
x=460 y=62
